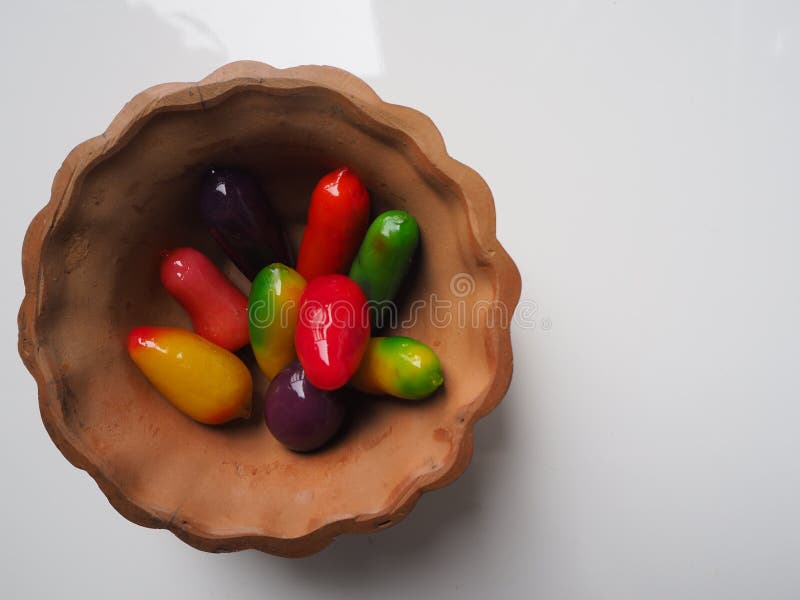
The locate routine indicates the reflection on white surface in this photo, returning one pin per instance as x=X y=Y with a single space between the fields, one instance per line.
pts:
x=282 y=34
x=779 y=44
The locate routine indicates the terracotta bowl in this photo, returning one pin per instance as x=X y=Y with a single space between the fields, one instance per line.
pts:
x=90 y=262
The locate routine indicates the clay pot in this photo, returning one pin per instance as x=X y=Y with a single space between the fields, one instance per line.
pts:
x=90 y=263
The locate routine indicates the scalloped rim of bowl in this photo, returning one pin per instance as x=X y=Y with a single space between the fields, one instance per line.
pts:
x=420 y=133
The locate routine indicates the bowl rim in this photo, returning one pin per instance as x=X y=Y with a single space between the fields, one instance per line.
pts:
x=227 y=80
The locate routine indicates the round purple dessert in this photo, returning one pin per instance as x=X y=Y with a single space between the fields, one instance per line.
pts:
x=299 y=415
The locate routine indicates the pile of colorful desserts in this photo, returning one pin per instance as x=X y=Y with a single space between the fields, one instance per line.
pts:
x=309 y=327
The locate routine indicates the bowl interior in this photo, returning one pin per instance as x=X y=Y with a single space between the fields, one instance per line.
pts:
x=101 y=268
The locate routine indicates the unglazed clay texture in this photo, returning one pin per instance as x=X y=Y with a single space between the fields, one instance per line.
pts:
x=91 y=259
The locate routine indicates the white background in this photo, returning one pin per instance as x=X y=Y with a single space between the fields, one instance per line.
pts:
x=644 y=161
